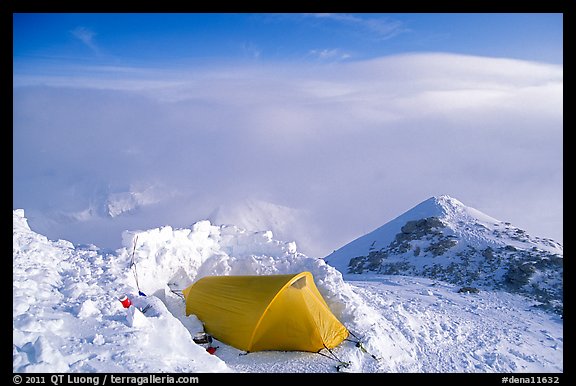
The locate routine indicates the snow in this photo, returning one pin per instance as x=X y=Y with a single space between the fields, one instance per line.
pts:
x=67 y=316
x=471 y=226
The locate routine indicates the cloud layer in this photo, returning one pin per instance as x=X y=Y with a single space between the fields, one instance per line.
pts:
x=349 y=146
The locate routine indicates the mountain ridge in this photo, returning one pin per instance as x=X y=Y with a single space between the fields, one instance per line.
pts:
x=441 y=238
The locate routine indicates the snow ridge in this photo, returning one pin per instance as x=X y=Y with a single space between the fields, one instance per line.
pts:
x=443 y=239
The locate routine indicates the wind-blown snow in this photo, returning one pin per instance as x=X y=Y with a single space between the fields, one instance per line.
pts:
x=67 y=316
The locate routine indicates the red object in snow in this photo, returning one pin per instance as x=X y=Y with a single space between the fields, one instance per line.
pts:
x=211 y=350
x=125 y=301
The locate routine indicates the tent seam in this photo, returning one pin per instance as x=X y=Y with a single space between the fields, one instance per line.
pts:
x=289 y=282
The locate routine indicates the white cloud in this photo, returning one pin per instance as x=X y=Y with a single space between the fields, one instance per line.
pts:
x=351 y=144
x=86 y=36
x=329 y=54
x=251 y=50
x=382 y=28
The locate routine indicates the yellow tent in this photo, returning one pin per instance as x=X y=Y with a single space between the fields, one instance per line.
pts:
x=274 y=312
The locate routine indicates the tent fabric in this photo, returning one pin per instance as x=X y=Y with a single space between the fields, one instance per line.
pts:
x=273 y=312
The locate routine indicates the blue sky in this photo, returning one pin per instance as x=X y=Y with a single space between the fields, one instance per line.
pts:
x=179 y=39
x=320 y=126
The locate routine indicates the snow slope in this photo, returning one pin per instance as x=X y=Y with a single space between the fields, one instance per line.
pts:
x=67 y=317
x=444 y=239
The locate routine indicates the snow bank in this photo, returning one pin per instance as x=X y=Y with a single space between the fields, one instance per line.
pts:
x=67 y=317
x=166 y=258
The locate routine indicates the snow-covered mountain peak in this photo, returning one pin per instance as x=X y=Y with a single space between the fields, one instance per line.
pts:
x=442 y=211
x=453 y=210
x=444 y=239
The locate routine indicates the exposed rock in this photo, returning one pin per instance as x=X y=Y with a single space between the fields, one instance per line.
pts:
x=470 y=290
x=429 y=247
